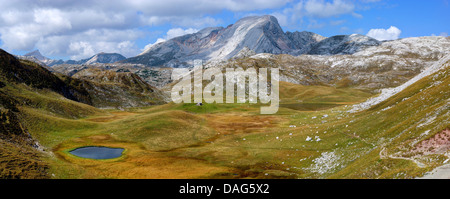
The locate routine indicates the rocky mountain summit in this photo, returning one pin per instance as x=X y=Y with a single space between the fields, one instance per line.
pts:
x=110 y=89
x=105 y=58
x=261 y=34
x=36 y=56
x=342 y=44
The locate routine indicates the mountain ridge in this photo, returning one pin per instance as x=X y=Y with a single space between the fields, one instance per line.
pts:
x=262 y=34
x=101 y=57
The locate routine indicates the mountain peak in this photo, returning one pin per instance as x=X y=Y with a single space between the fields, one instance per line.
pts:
x=267 y=18
x=260 y=34
x=343 y=44
x=105 y=58
x=36 y=54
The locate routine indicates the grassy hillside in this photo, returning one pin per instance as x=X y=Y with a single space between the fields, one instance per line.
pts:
x=26 y=84
x=401 y=125
x=313 y=135
x=234 y=141
x=39 y=109
x=174 y=134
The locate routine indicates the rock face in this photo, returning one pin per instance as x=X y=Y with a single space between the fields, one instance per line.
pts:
x=30 y=73
x=303 y=41
x=261 y=34
x=110 y=89
x=105 y=58
x=36 y=56
x=371 y=68
x=245 y=52
x=342 y=44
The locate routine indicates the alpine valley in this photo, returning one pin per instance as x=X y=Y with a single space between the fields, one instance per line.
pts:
x=350 y=107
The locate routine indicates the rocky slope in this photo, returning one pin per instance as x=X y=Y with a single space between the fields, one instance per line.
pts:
x=21 y=85
x=303 y=41
x=389 y=64
x=31 y=96
x=32 y=74
x=157 y=77
x=372 y=67
x=36 y=56
x=109 y=89
x=342 y=44
x=105 y=58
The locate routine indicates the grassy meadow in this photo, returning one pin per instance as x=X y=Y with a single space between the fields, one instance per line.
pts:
x=312 y=136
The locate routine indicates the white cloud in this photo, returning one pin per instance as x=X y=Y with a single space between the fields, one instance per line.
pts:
x=282 y=18
x=148 y=46
x=172 y=33
x=66 y=28
x=85 y=44
x=385 y=34
x=322 y=9
x=315 y=10
x=183 y=7
x=81 y=49
x=175 y=32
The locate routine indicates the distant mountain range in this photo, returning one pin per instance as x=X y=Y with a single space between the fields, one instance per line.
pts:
x=261 y=34
x=102 y=57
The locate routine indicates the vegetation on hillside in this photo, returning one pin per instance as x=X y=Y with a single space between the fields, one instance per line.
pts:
x=313 y=135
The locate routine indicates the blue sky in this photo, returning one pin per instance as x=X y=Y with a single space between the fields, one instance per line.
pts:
x=78 y=29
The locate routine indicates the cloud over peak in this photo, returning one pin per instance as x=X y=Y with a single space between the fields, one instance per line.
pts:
x=391 y=33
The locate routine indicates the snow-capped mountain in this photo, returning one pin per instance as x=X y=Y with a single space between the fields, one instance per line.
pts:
x=261 y=34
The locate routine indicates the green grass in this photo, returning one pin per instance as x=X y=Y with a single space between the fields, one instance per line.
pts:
x=235 y=141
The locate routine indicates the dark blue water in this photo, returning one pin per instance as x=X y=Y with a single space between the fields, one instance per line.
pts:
x=97 y=152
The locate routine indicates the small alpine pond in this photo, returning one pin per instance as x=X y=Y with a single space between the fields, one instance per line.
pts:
x=97 y=152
